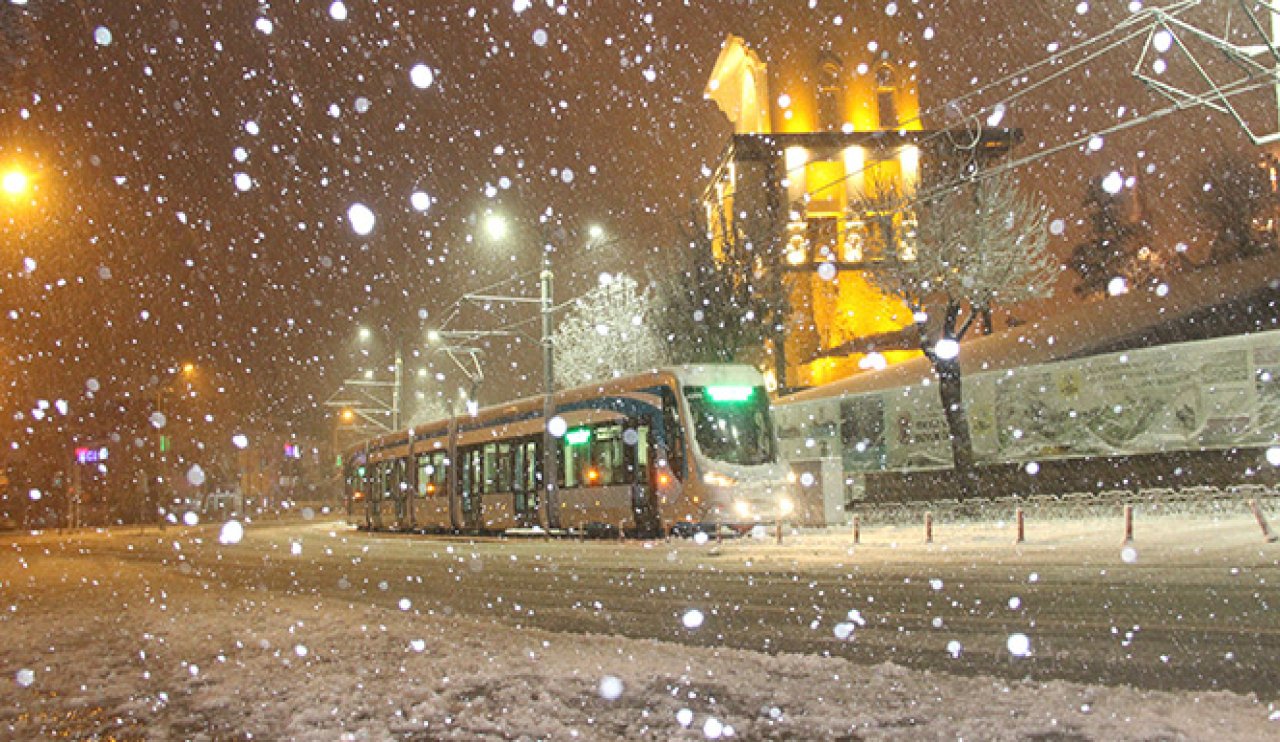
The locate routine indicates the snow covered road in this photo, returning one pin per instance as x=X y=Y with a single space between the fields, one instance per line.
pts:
x=306 y=630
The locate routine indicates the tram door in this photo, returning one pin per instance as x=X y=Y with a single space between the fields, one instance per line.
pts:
x=638 y=460
x=471 y=485
x=525 y=482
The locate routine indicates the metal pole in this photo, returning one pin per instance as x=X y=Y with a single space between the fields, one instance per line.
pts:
x=395 y=389
x=550 y=467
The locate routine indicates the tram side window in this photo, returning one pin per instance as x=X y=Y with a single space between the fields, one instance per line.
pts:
x=600 y=456
x=576 y=459
x=607 y=455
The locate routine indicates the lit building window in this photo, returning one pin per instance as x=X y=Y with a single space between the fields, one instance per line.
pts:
x=830 y=92
x=822 y=238
x=887 y=97
x=855 y=235
x=796 y=243
x=909 y=243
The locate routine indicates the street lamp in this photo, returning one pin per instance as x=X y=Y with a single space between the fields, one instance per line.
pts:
x=15 y=182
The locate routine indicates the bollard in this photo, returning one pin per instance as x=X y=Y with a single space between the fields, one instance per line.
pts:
x=928 y=528
x=857 y=531
x=1128 y=524
x=1267 y=535
x=1022 y=530
x=778 y=531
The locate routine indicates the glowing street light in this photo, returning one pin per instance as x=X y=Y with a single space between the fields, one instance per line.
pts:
x=15 y=182
x=495 y=226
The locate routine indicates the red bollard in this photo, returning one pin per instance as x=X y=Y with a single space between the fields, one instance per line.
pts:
x=1022 y=530
x=1267 y=535
x=1128 y=524
x=857 y=531
x=928 y=528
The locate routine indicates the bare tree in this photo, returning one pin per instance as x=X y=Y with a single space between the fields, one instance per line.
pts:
x=722 y=301
x=975 y=247
x=1235 y=197
x=608 y=333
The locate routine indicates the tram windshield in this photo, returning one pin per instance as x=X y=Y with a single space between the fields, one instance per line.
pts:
x=732 y=423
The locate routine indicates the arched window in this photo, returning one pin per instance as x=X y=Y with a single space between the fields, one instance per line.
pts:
x=830 y=92
x=887 y=97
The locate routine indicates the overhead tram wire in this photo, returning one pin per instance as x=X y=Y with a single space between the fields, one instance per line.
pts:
x=1128 y=30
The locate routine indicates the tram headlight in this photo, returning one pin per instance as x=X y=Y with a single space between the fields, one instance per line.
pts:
x=716 y=479
x=791 y=477
x=785 y=506
x=742 y=508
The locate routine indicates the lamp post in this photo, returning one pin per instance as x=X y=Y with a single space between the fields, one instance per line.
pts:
x=496 y=227
x=550 y=463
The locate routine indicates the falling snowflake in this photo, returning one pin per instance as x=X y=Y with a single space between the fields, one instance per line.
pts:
x=361 y=218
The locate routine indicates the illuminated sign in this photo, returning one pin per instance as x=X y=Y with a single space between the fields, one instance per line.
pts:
x=87 y=455
x=577 y=437
x=730 y=393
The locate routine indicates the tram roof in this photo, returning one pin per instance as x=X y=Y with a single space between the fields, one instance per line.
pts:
x=691 y=373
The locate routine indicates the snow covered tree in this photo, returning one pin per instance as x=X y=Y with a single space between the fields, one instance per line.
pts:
x=975 y=246
x=1114 y=247
x=721 y=301
x=607 y=333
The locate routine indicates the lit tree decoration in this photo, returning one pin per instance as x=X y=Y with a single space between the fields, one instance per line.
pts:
x=606 y=334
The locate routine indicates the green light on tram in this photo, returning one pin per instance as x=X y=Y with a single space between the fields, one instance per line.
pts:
x=730 y=393
x=577 y=437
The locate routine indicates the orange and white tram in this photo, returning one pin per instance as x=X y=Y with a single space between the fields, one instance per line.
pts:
x=677 y=449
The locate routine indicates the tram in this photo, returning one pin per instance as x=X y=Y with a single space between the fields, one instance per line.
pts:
x=675 y=450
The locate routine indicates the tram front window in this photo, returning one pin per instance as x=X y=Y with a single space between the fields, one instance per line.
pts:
x=732 y=423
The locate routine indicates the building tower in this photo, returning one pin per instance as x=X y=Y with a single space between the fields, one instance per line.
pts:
x=826 y=119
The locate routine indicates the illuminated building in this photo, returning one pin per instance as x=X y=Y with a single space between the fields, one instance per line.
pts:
x=827 y=123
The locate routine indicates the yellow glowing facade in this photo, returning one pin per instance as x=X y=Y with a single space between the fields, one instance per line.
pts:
x=817 y=134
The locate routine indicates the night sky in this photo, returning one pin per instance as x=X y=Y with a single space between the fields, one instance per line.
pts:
x=195 y=163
